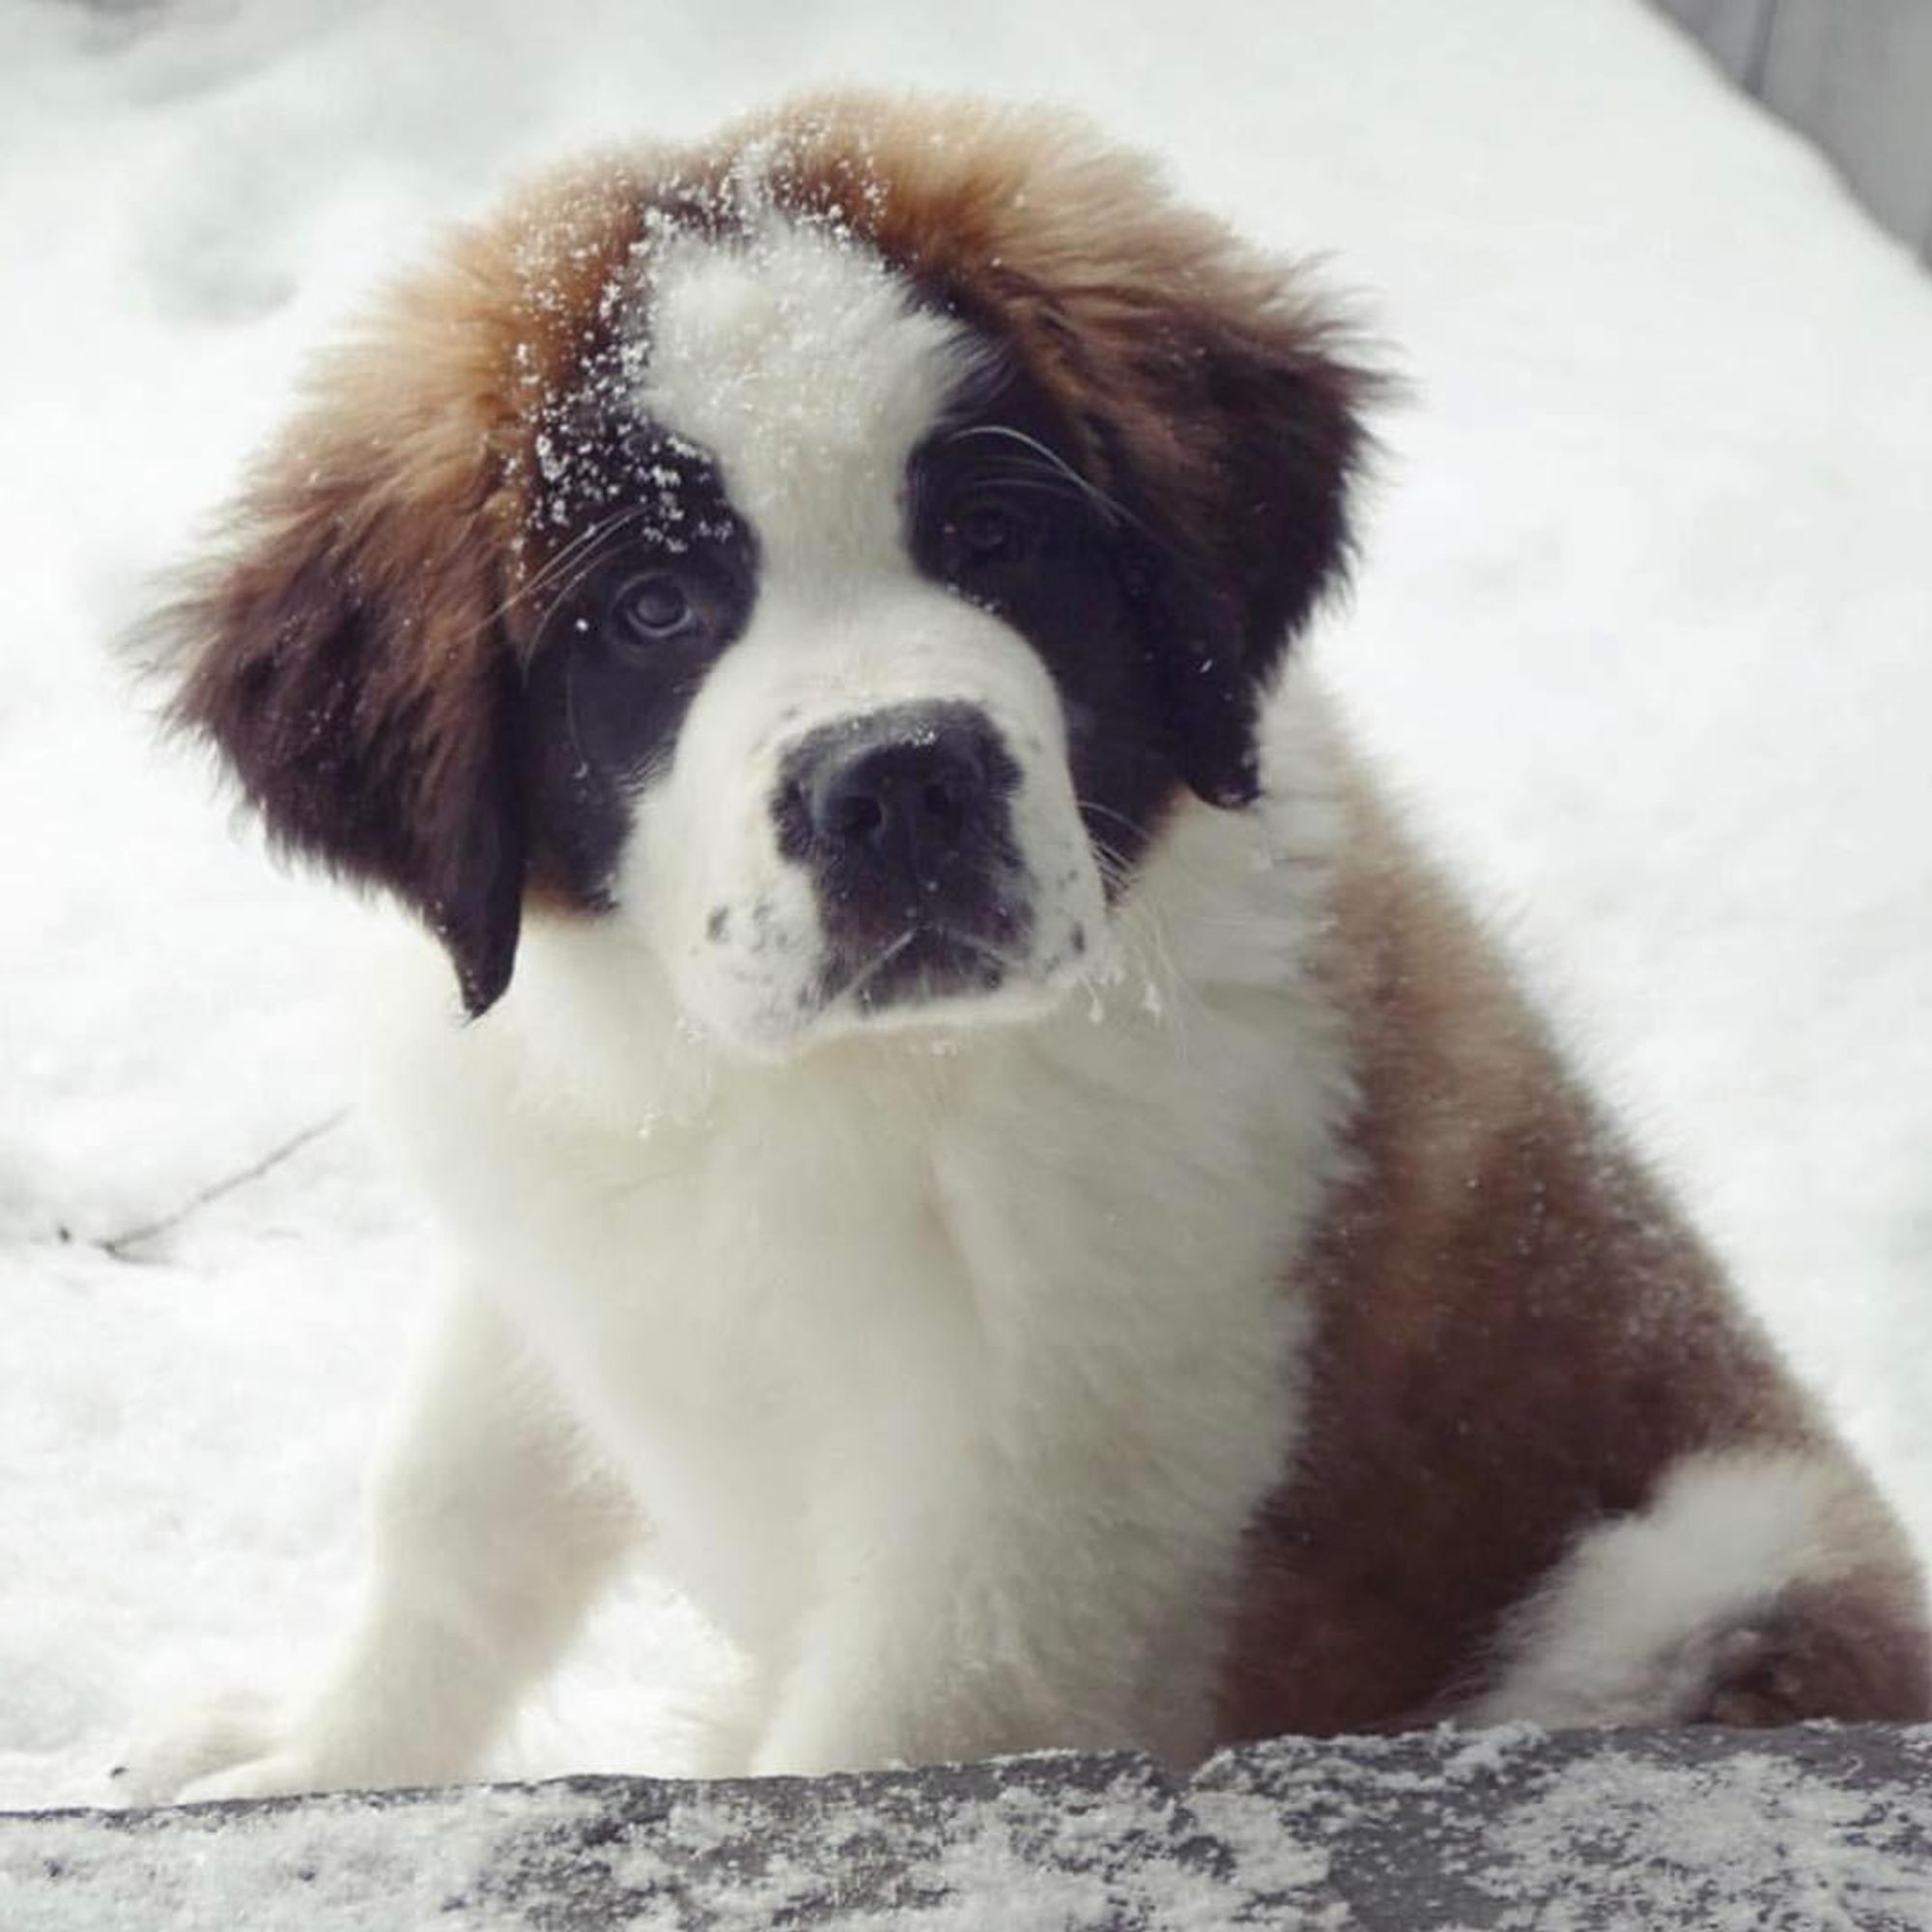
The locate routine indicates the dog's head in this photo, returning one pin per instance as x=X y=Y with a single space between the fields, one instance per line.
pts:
x=828 y=554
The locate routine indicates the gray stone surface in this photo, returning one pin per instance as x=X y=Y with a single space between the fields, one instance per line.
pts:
x=1436 y=1833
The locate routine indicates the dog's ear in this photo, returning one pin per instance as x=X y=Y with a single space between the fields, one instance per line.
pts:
x=1245 y=493
x=342 y=649
x=1215 y=395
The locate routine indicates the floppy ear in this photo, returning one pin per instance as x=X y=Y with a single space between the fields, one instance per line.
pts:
x=342 y=650
x=1265 y=403
x=1218 y=399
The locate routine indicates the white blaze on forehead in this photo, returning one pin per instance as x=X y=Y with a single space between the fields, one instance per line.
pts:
x=801 y=362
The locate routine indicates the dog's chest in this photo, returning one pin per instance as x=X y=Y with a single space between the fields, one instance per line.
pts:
x=888 y=1289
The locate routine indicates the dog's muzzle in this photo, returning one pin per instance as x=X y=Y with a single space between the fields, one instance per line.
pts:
x=903 y=818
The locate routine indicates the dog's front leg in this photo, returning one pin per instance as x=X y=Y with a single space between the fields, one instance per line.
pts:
x=928 y=1656
x=493 y=1532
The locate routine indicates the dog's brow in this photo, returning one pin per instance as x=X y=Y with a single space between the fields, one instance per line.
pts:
x=1113 y=510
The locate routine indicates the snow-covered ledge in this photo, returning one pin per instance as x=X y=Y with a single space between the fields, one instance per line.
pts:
x=1785 y=1831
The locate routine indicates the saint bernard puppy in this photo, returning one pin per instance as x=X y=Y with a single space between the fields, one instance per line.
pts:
x=973 y=1135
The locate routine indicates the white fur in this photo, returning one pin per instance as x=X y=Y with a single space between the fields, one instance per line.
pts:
x=946 y=1370
x=798 y=361
x=1630 y=1627
x=943 y=1356
x=945 y=1364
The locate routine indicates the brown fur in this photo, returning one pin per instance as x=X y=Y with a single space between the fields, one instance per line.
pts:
x=348 y=644
x=353 y=644
x=1517 y=1333
x=1852 y=1650
x=1210 y=387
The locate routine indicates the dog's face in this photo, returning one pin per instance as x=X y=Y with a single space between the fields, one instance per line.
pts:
x=819 y=714
x=827 y=571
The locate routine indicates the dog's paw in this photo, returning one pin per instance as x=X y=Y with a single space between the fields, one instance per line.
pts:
x=171 y=1761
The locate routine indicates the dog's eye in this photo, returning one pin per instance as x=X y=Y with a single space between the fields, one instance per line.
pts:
x=650 y=608
x=984 y=534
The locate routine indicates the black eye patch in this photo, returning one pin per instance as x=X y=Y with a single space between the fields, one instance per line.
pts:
x=645 y=602
x=998 y=511
x=988 y=533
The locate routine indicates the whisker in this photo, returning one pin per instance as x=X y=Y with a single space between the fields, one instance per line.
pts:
x=585 y=552
x=585 y=541
x=1115 y=510
x=861 y=976
x=1042 y=483
x=1093 y=807
x=588 y=566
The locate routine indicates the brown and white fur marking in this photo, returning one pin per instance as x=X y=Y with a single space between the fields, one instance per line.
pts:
x=976 y=1138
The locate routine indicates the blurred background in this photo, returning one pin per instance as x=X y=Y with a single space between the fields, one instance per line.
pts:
x=1643 y=630
x=1857 y=79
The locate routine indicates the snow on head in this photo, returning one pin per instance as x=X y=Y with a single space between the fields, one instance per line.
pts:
x=799 y=359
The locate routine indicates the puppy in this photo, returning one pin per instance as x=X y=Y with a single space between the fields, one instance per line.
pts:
x=974 y=1136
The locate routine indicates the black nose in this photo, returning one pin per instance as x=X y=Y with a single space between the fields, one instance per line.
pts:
x=900 y=798
x=908 y=801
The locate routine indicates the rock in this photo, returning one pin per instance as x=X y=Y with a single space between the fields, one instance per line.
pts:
x=1439 y=1831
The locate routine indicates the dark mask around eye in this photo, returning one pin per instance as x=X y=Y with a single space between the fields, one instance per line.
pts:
x=660 y=588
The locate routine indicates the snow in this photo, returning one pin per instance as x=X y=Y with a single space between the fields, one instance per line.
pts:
x=343 y=1864
x=1751 y=1845
x=1819 y=1831
x=1524 y=1832
x=1643 y=629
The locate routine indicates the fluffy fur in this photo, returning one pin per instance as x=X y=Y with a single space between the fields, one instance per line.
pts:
x=976 y=1136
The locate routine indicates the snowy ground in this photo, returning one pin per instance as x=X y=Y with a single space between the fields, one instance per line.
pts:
x=1645 y=625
